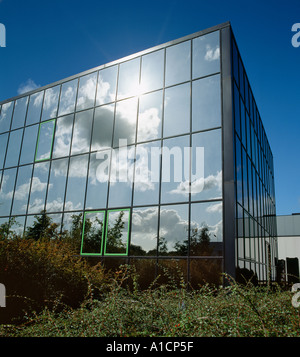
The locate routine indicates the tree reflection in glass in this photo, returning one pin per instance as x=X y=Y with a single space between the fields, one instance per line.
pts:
x=116 y=242
x=92 y=234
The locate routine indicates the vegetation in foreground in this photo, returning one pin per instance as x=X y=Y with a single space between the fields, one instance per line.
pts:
x=55 y=293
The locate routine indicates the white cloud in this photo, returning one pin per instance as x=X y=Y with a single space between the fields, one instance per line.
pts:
x=27 y=86
x=212 y=55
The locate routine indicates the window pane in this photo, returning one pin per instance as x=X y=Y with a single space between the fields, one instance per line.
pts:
x=206 y=181
x=107 y=83
x=13 y=150
x=129 y=73
x=3 y=143
x=22 y=190
x=98 y=180
x=18 y=225
x=87 y=91
x=175 y=170
x=152 y=75
x=19 y=113
x=146 y=176
x=68 y=97
x=57 y=184
x=29 y=144
x=34 y=108
x=178 y=63
x=50 y=103
x=72 y=228
x=144 y=231
x=6 y=192
x=82 y=132
x=125 y=123
x=45 y=141
x=63 y=134
x=76 y=182
x=173 y=230
x=93 y=232
x=150 y=116
x=206 y=101
x=5 y=116
x=103 y=127
x=206 y=229
x=121 y=177
x=38 y=187
x=206 y=55
x=116 y=240
x=177 y=110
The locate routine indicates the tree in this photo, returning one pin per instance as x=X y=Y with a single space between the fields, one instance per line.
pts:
x=114 y=242
x=42 y=228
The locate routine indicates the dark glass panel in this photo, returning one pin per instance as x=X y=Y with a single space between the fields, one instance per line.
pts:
x=173 y=230
x=206 y=103
x=145 y=271
x=238 y=168
x=237 y=117
x=178 y=63
x=117 y=231
x=72 y=229
x=203 y=271
x=172 y=273
x=144 y=231
x=206 y=55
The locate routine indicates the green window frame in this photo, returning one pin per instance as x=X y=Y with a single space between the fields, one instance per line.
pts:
x=89 y=238
x=43 y=131
x=121 y=244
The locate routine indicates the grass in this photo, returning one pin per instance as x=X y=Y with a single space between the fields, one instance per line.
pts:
x=125 y=310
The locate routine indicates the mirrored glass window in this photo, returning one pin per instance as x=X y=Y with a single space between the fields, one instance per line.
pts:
x=117 y=232
x=144 y=231
x=129 y=76
x=152 y=74
x=29 y=144
x=22 y=190
x=13 y=150
x=173 y=230
x=87 y=91
x=68 y=97
x=76 y=183
x=3 y=143
x=17 y=226
x=50 y=103
x=6 y=192
x=150 y=116
x=178 y=63
x=206 y=229
x=38 y=187
x=177 y=110
x=206 y=180
x=125 y=122
x=147 y=173
x=238 y=168
x=206 y=103
x=63 y=134
x=106 y=87
x=175 y=185
x=121 y=177
x=206 y=55
x=93 y=233
x=72 y=228
x=5 y=116
x=82 y=132
x=57 y=184
x=103 y=127
x=96 y=196
x=35 y=108
x=45 y=141
x=19 y=113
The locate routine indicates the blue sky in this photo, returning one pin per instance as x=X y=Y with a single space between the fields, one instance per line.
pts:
x=50 y=40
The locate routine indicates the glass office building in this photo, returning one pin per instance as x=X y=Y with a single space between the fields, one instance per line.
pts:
x=159 y=160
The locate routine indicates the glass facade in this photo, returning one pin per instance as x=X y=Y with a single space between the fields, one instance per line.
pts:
x=128 y=160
